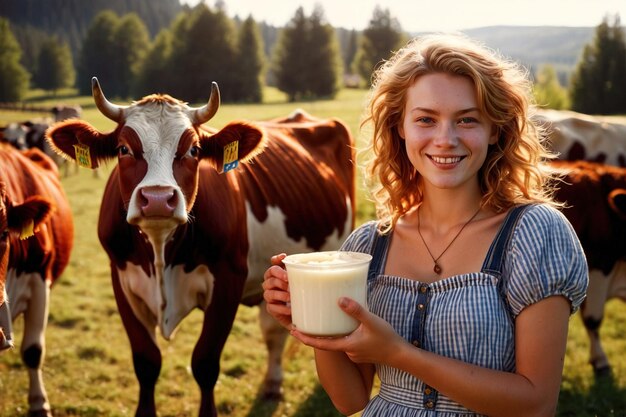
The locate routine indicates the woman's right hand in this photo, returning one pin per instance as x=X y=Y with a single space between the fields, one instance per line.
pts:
x=276 y=291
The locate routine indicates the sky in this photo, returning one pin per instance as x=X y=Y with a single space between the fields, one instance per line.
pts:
x=434 y=15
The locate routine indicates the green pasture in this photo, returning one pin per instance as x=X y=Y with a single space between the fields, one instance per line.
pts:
x=88 y=367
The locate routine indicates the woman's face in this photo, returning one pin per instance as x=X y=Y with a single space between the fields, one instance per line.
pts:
x=446 y=134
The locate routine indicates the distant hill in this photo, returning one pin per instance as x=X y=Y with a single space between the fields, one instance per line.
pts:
x=535 y=46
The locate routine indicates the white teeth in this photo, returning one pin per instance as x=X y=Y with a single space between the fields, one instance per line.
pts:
x=448 y=160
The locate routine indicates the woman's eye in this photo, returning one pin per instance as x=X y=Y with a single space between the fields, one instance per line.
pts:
x=122 y=150
x=467 y=120
x=425 y=120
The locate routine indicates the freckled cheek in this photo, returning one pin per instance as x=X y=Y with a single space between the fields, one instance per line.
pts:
x=132 y=172
x=186 y=175
x=416 y=144
x=479 y=142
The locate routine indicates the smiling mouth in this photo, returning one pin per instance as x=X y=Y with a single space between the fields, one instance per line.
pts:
x=446 y=159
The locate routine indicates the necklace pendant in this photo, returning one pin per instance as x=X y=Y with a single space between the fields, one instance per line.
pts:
x=437 y=269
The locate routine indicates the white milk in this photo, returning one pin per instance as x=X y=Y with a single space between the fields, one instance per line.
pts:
x=317 y=280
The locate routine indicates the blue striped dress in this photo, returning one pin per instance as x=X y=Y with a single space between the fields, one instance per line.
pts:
x=470 y=317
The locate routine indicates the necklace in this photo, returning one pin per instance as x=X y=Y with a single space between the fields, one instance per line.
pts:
x=437 y=267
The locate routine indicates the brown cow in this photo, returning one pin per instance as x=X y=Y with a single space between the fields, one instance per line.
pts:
x=35 y=264
x=16 y=221
x=182 y=234
x=596 y=197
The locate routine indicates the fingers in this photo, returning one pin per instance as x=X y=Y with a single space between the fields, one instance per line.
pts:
x=323 y=343
x=278 y=310
x=276 y=291
x=352 y=308
x=278 y=259
x=275 y=277
x=276 y=287
x=275 y=271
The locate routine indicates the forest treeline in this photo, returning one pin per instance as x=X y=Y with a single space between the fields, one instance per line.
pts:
x=34 y=20
x=144 y=46
x=36 y=23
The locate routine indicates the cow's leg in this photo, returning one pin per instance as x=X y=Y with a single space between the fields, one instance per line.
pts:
x=146 y=354
x=33 y=343
x=6 y=331
x=205 y=361
x=275 y=336
x=592 y=312
x=618 y=282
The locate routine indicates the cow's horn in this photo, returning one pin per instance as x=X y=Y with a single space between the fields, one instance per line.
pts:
x=203 y=114
x=110 y=110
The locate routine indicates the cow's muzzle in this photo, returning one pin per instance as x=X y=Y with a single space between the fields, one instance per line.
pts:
x=158 y=201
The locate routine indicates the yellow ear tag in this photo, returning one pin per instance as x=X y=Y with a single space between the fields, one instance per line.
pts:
x=83 y=157
x=231 y=156
x=27 y=230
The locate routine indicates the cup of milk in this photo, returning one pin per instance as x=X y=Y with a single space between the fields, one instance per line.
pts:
x=316 y=282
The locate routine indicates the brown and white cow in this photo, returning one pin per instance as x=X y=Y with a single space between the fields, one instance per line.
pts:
x=17 y=221
x=595 y=194
x=34 y=264
x=581 y=137
x=181 y=234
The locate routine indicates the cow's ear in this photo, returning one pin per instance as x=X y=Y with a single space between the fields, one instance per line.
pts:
x=24 y=219
x=617 y=201
x=81 y=142
x=249 y=139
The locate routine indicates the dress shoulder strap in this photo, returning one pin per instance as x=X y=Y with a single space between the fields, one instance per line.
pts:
x=379 y=249
x=494 y=260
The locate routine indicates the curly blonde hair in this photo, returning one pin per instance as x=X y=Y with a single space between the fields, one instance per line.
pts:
x=514 y=171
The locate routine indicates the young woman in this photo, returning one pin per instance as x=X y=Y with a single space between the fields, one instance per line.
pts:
x=475 y=272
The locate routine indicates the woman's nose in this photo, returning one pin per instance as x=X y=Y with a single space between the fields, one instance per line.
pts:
x=447 y=135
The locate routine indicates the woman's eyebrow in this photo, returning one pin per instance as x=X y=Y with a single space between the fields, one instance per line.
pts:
x=432 y=111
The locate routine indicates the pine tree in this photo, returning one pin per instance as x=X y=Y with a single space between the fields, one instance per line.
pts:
x=13 y=77
x=203 y=51
x=153 y=75
x=548 y=91
x=30 y=40
x=249 y=65
x=98 y=53
x=617 y=92
x=379 y=40
x=289 y=57
x=598 y=85
x=306 y=60
x=325 y=65
x=69 y=20
x=55 y=67
x=131 y=43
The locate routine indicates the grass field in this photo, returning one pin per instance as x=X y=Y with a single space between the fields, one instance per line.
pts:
x=88 y=368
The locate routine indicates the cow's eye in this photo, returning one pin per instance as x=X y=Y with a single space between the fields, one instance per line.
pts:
x=194 y=151
x=122 y=150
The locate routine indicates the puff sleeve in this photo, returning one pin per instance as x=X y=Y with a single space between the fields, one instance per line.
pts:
x=545 y=259
x=361 y=239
